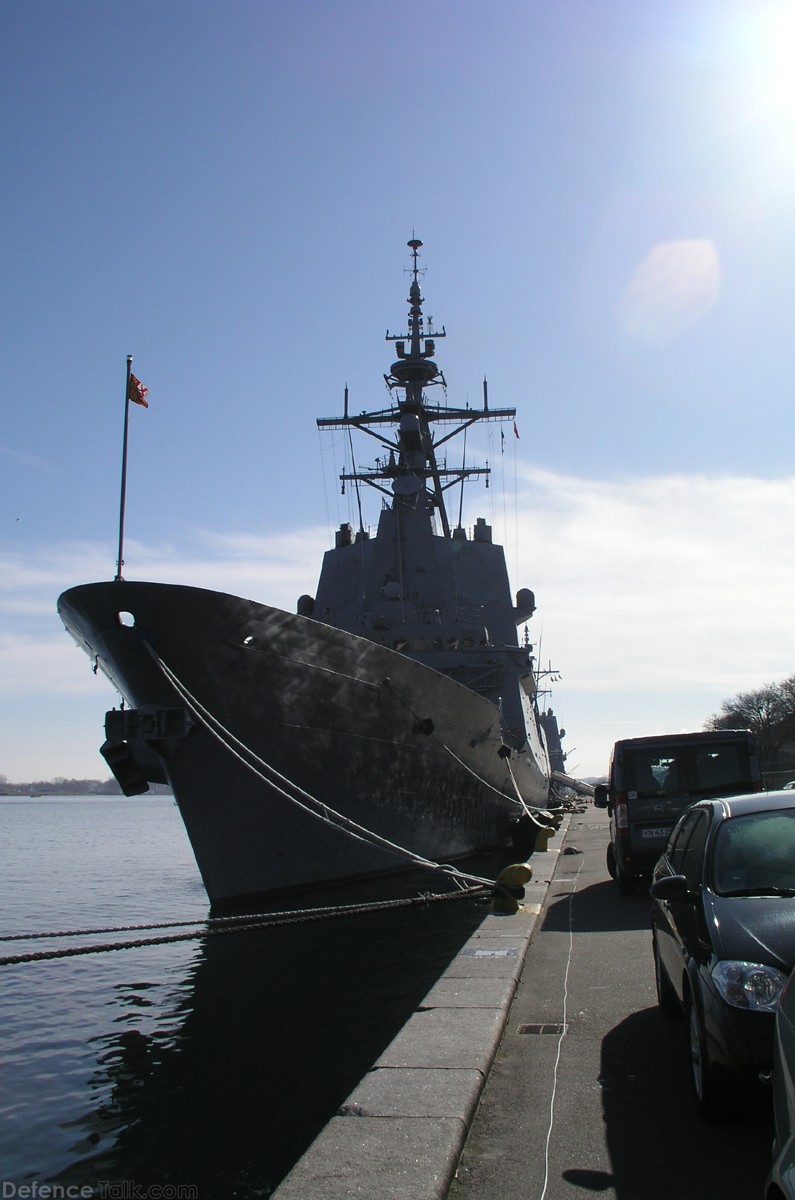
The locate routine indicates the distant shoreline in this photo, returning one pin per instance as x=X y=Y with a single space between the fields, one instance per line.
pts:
x=41 y=788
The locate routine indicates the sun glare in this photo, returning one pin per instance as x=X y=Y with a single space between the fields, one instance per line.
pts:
x=763 y=46
x=776 y=44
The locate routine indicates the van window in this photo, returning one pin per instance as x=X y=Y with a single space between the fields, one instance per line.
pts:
x=719 y=768
x=682 y=770
x=674 y=780
x=650 y=773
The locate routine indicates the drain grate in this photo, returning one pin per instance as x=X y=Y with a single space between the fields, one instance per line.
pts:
x=545 y=1027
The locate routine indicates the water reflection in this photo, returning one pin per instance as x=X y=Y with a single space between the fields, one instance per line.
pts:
x=224 y=1081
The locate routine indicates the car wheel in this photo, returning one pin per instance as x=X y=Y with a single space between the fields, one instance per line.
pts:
x=708 y=1093
x=666 y=996
x=611 y=860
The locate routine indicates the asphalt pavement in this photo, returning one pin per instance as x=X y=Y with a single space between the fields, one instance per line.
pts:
x=590 y=1091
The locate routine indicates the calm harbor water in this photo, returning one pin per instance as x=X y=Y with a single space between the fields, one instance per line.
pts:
x=211 y=1063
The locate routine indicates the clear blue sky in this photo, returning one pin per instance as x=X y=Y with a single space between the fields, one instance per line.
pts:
x=224 y=189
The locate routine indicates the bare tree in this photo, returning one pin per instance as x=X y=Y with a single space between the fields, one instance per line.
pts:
x=769 y=712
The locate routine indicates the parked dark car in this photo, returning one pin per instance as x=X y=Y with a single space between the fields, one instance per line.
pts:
x=723 y=934
x=781 y=1181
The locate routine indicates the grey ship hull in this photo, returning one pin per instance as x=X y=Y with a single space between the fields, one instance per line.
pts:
x=223 y=692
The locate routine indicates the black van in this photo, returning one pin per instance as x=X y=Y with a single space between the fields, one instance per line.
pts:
x=653 y=779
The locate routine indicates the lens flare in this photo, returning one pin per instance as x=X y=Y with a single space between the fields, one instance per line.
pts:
x=676 y=284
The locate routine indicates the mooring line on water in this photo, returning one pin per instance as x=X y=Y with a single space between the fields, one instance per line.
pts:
x=331 y=909
x=223 y=925
x=61 y=933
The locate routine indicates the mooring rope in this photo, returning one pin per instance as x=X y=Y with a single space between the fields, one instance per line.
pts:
x=242 y=918
x=223 y=925
x=303 y=800
x=520 y=800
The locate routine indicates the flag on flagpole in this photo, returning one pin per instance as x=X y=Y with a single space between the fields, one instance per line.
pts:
x=137 y=392
x=515 y=430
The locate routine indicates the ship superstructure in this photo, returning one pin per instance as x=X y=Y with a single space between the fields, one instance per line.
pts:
x=420 y=586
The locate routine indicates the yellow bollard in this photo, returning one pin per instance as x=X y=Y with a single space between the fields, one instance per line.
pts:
x=543 y=838
x=508 y=888
x=555 y=819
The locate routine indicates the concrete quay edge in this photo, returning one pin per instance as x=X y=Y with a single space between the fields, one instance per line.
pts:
x=400 y=1133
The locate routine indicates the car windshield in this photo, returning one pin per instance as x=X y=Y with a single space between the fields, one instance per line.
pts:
x=755 y=855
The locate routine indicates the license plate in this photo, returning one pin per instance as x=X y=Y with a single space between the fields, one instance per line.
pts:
x=655 y=833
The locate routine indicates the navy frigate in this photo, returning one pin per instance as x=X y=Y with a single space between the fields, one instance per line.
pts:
x=391 y=721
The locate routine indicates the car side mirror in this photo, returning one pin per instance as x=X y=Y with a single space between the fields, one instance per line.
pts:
x=600 y=796
x=672 y=887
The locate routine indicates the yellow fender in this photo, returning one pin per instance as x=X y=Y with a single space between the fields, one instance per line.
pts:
x=509 y=889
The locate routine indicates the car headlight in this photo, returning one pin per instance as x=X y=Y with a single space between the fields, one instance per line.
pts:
x=749 y=985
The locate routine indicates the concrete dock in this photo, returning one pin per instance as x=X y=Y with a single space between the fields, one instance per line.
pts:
x=400 y=1133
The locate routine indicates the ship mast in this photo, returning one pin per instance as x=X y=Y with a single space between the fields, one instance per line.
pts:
x=412 y=473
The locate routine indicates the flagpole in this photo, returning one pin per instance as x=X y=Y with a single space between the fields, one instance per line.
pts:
x=123 y=500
